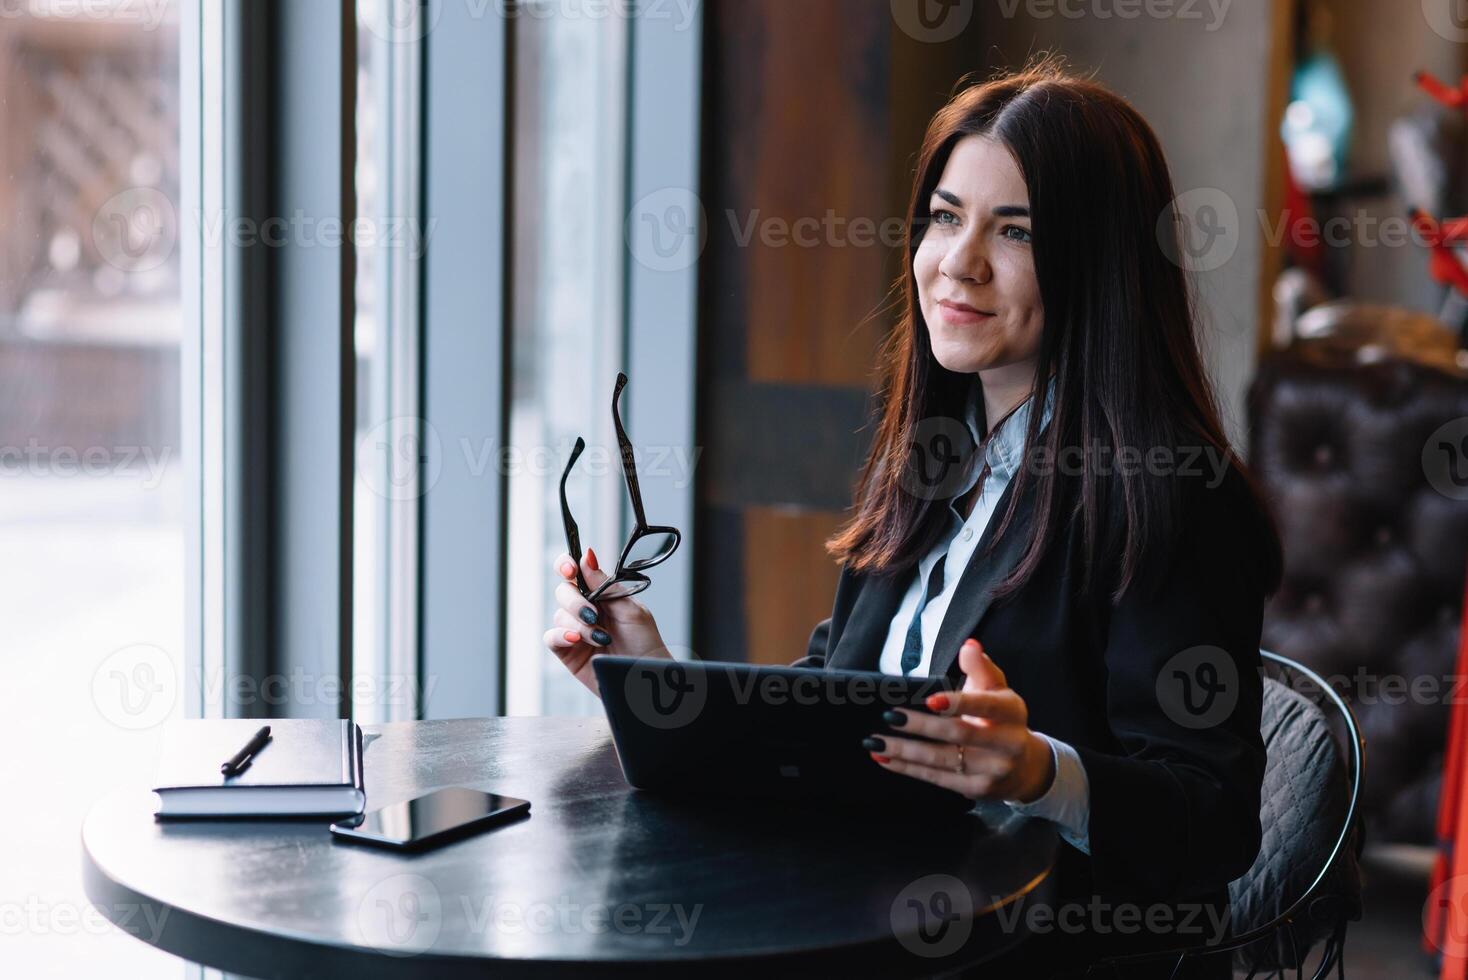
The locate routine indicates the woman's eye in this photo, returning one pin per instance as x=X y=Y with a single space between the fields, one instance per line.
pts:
x=1024 y=233
x=940 y=218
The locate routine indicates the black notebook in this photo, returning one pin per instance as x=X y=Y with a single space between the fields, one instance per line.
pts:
x=308 y=768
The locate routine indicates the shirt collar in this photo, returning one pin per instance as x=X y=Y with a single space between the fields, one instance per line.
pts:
x=1007 y=446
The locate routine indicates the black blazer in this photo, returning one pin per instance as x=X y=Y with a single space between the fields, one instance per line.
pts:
x=1174 y=808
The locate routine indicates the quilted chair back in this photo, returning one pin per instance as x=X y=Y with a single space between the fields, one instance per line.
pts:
x=1366 y=468
x=1305 y=803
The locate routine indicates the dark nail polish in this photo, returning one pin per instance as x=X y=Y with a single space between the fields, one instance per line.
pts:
x=873 y=744
x=601 y=637
x=587 y=614
x=895 y=718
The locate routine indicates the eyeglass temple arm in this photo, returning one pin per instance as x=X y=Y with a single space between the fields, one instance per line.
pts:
x=629 y=466
x=573 y=533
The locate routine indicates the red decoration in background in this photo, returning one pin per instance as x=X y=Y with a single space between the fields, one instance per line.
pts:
x=1445 y=926
x=1453 y=98
x=1442 y=236
x=1447 y=266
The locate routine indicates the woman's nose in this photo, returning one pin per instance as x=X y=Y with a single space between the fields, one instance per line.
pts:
x=966 y=261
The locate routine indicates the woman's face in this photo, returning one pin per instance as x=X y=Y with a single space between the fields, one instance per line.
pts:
x=974 y=268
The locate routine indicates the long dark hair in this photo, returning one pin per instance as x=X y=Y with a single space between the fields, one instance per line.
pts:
x=1119 y=337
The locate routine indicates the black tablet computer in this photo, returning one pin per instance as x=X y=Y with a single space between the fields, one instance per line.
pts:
x=789 y=733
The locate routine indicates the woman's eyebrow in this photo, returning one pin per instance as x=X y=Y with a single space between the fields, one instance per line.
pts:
x=1002 y=211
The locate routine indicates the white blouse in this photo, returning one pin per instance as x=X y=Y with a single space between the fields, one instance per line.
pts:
x=1067 y=802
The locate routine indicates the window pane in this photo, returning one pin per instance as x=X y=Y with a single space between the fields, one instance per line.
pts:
x=91 y=505
x=387 y=490
x=569 y=146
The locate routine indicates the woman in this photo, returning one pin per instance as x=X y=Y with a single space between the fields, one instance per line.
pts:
x=1094 y=568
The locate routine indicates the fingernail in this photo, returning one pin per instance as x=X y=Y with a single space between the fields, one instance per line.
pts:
x=572 y=636
x=873 y=744
x=896 y=718
x=568 y=569
x=938 y=702
x=601 y=637
x=591 y=560
x=881 y=758
x=587 y=614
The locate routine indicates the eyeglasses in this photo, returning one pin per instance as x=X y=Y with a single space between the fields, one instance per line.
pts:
x=647 y=546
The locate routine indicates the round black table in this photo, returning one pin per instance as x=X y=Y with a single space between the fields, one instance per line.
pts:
x=600 y=879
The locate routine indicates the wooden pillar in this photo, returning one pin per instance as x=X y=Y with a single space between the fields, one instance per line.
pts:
x=814 y=114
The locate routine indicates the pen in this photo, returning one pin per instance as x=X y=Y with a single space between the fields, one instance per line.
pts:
x=241 y=758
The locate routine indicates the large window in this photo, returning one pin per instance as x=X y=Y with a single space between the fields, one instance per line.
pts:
x=91 y=501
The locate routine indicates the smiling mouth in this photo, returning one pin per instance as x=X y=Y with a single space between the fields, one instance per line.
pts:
x=963 y=313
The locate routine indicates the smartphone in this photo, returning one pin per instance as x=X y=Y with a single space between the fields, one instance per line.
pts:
x=437 y=818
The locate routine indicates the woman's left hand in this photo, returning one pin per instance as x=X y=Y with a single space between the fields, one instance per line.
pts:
x=1001 y=757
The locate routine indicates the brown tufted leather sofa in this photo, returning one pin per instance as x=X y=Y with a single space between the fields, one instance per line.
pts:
x=1376 y=545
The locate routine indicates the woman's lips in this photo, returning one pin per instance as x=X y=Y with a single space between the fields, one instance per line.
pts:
x=962 y=316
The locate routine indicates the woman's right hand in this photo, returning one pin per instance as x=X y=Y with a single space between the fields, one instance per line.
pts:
x=621 y=626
